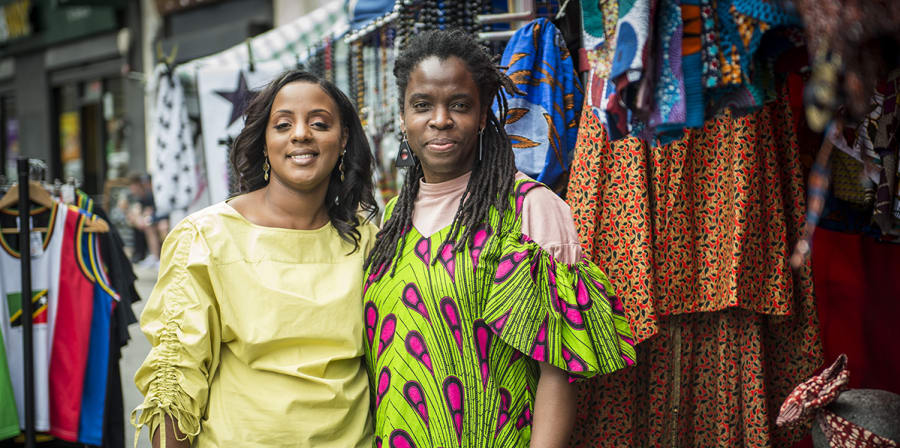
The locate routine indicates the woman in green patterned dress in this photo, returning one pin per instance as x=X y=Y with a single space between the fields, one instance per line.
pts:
x=479 y=310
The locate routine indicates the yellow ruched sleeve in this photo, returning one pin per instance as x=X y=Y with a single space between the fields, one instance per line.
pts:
x=181 y=322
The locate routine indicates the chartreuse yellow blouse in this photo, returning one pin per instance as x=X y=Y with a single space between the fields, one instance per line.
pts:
x=257 y=336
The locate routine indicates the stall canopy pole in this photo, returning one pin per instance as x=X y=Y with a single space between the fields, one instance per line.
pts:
x=26 y=319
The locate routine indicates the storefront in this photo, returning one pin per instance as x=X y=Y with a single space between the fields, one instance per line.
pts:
x=67 y=92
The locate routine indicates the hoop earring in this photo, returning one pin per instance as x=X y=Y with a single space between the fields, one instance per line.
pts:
x=266 y=168
x=341 y=164
x=405 y=156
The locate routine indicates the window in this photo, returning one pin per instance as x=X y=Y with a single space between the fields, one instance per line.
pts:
x=9 y=136
x=92 y=132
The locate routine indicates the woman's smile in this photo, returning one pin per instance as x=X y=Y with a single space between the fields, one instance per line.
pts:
x=304 y=157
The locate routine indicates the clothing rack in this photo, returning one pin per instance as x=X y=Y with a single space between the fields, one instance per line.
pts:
x=30 y=191
x=27 y=312
x=374 y=25
x=525 y=12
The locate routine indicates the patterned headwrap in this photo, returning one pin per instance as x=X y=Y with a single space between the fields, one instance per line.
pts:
x=809 y=400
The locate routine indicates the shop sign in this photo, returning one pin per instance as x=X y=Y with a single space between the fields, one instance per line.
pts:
x=14 y=22
x=109 y=3
x=166 y=7
x=66 y=23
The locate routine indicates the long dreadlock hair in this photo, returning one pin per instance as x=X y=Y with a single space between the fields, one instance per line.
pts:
x=492 y=177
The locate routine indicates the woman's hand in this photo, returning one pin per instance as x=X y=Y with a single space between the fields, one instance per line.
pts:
x=554 y=409
x=172 y=436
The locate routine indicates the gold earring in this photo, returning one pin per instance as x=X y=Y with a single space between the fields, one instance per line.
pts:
x=341 y=164
x=266 y=168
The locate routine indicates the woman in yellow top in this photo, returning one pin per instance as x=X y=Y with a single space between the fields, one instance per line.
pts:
x=256 y=320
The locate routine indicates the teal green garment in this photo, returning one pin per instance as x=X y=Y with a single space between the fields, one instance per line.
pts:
x=9 y=418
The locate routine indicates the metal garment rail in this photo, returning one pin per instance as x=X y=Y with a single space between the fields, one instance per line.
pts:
x=27 y=331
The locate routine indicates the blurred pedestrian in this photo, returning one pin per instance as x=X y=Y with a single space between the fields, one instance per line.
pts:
x=150 y=228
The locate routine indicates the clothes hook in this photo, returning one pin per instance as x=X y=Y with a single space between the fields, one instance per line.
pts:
x=250 y=55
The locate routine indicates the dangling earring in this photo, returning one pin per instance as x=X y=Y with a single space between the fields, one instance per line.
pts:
x=266 y=168
x=341 y=164
x=405 y=156
x=480 y=144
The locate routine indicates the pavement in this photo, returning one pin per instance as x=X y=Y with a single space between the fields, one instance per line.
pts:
x=134 y=353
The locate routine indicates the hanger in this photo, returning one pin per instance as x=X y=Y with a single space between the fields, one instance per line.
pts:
x=36 y=193
x=251 y=62
x=373 y=25
x=95 y=224
x=522 y=11
x=167 y=60
x=562 y=10
x=39 y=195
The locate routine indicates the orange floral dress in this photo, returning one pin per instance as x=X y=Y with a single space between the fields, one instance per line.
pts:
x=695 y=237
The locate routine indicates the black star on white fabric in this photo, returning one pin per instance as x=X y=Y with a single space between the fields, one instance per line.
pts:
x=238 y=98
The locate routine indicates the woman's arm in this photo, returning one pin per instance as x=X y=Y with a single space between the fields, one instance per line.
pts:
x=554 y=409
x=181 y=323
x=172 y=436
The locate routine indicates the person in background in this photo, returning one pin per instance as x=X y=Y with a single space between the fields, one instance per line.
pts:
x=150 y=228
x=478 y=306
x=256 y=319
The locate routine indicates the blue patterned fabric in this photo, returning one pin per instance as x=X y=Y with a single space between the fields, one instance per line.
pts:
x=364 y=11
x=668 y=114
x=542 y=123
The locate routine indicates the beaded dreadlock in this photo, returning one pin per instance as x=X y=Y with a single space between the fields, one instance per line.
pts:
x=492 y=178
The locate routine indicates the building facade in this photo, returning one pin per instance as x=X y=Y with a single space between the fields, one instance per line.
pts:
x=68 y=91
x=73 y=75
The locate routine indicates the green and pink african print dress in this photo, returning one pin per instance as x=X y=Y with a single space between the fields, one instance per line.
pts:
x=453 y=345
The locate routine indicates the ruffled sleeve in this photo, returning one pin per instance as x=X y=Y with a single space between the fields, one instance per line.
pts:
x=181 y=322
x=564 y=314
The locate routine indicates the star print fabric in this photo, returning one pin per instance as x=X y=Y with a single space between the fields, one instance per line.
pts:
x=175 y=179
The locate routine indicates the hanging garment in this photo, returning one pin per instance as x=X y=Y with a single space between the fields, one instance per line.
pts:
x=175 y=180
x=849 y=182
x=677 y=62
x=224 y=90
x=677 y=96
x=695 y=237
x=121 y=280
x=629 y=66
x=91 y=423
x=598 y=24
x=856 y=287
x=692 y=62
x=668 y=113
x=600 y=57
x=363 y=12
x=119 y=271
x=453 y=341
x=45 y=275
x=741 y=25
x=71 y=331
x=852 y=44
x=9 y=416
x=543 y=121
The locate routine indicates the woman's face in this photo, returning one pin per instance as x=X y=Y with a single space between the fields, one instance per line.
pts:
x=442 y=115
x=304 y=137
